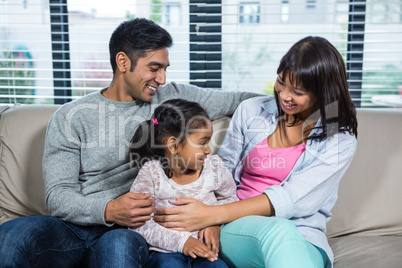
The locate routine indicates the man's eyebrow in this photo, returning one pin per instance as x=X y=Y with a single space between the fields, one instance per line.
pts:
x=153 y=63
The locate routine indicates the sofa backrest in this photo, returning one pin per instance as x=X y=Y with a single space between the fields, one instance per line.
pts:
x=22 y=136
x=369 y=199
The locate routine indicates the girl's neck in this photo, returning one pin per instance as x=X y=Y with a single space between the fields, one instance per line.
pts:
x=184 y=177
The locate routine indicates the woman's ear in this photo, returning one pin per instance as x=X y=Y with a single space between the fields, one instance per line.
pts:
x=171 y=144
x=122 y=62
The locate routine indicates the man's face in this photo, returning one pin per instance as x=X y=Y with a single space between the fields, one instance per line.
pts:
x=148 y=75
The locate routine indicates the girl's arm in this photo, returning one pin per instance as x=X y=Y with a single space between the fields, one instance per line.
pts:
x=159 y=236
x=153 y=233
x=226 y=192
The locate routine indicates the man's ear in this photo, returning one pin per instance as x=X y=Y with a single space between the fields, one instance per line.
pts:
x=123 y=62
x=171 y=144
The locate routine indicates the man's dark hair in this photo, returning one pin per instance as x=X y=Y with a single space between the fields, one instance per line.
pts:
x=135 y=38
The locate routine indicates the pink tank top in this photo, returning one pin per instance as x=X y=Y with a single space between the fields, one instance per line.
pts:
x=264 y=167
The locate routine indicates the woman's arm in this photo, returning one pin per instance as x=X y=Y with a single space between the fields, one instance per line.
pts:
x=191 y=214
x=313 y=187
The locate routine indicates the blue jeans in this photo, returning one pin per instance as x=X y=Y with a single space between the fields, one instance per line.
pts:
x=46 y=241
x=179 y=260
x=257 y=241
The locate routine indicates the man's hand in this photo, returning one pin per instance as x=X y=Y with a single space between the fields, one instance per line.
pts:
x=194 y=248
x=210 y=237
x=130 y=209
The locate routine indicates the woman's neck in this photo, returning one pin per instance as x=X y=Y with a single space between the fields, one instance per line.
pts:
x=290 y=133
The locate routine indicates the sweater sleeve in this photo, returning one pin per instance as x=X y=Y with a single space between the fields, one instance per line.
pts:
x=216 y=102
x=156 y=235
x=61 y=171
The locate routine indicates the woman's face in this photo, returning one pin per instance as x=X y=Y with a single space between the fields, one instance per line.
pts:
x=294 y=100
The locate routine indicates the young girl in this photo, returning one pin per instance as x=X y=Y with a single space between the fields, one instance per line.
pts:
x=173 y=153
x=287 y=153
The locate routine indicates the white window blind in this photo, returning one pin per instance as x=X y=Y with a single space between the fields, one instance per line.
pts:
x=56 y=51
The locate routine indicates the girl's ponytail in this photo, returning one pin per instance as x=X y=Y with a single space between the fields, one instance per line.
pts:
x=144 y=147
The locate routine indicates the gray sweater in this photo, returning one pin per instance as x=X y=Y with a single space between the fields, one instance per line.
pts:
x=86 y=162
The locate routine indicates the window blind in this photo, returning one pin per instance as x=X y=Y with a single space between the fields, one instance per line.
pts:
x=57 y=50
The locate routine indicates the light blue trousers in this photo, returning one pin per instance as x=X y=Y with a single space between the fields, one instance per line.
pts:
x=257 y=241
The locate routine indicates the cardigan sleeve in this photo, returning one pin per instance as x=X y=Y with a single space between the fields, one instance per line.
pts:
x=314 y=185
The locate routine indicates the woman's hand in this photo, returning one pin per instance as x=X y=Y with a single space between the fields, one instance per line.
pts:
x=194 y=248
x=192 y=215
x=188 y=215
x=210 y=237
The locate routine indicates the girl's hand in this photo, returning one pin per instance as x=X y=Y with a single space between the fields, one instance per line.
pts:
x=194 y=248
x=188 y=215
x=210 y=237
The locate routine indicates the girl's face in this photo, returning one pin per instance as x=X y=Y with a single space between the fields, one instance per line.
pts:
x=191 y=153
x=294 y=100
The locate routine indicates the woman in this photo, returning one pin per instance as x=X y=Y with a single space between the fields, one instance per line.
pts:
x=287 y=154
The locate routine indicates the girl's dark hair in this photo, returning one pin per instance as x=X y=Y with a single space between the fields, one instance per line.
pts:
x=316 y=65
x=135 y=38
x=176 y=117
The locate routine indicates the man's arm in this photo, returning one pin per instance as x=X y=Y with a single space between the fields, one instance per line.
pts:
x=61 y=170
x=216 y=102
x=87 y=201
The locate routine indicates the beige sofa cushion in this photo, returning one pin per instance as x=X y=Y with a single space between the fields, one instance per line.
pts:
x=367 y=251
x=370 y=199
x=22 y=134
x=220 y=126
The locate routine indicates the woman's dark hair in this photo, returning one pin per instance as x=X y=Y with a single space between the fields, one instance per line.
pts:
x=176 y=117
x=316 y=65
x=135 y=38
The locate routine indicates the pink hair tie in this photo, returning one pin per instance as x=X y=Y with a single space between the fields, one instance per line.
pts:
x=155 y=121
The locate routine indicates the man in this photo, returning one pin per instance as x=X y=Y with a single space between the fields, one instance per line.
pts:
x=86 y=168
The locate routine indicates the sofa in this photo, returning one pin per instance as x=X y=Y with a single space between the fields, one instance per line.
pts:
x=366 y=228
